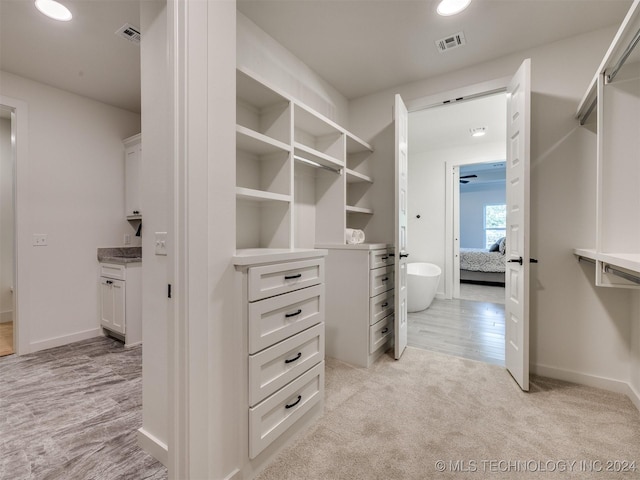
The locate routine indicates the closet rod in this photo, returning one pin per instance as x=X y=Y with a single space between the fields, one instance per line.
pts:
x=624 y=57
x=586 y=259
x=589 y=111
x=318 y=165
x=620 y=273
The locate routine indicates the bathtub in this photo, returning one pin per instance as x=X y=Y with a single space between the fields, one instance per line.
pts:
x=422 y=284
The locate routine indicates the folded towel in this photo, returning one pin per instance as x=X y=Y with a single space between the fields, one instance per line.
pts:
x=354 y=236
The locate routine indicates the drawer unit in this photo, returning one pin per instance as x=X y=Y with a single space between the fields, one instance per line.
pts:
x=380 y=306
x=380 y=333
x=283 y=312
x=274 y=367
x=270 y=280
x=114 y=271
x=272 y=417
x=360 y=302
x=380 y=280
x=274 y=319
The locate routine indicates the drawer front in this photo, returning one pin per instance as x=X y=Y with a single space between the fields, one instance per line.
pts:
x=111 y=270
x=273 y=368
x=272 y=417
x=380 y=258
x=380 y=333
x=380 y=306
x=277 y=318
x=270 y=280
x=380 y=280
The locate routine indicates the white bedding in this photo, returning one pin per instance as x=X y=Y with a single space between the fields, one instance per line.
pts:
x=480 y=260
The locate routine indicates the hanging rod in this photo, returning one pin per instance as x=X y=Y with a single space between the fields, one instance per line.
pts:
x=317 y=165
x=589 y=111
x=624 y=57
x=606 y=268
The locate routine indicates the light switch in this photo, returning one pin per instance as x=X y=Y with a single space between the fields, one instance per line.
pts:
x=161 y=243
x=39 y=239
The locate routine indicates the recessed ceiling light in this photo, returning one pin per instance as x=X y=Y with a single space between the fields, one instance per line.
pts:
x=452 y=7
x=53 y=9
x=478 y=131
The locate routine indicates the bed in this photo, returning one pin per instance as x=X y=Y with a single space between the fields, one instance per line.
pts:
x=482 y=266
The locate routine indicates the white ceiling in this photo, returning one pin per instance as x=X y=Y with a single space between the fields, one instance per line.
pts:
x=359 y=46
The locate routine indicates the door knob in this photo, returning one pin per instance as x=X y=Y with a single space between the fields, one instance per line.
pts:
x=404 y=255
x=533 y=260
x=514 y=260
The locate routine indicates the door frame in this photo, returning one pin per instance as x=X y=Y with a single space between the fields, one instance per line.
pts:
x=469 y=92
x=21 y=313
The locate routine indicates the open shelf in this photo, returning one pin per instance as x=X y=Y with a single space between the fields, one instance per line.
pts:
x=257 y=143
x=356 y=177
x=261 y=196
x=362 y=210
x=316 y=156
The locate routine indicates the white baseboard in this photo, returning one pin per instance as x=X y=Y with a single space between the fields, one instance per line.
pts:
x=617 y=386
x=6 y=317
x=64 y=340
x=153 y=446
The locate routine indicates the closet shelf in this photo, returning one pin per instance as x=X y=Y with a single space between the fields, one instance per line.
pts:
x=357 y=145
x=352 y=209
x=260 y=195
x=356 y=177
x=258 y=143
x=316 y=156
x=628 y=261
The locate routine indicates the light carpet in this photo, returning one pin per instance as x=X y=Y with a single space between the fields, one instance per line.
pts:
x=397 y=419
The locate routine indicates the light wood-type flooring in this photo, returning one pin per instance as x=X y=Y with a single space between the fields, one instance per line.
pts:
x=73 y=412
x=6 y=338
x=463 y=328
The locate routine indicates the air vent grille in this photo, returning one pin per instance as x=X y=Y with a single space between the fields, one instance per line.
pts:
x=452 y=41
x=129 y=32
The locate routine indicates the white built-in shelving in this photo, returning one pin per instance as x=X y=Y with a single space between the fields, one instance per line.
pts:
x=613 y=101
x=301 y=179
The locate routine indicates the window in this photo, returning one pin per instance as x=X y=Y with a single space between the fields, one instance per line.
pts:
x=495 y=223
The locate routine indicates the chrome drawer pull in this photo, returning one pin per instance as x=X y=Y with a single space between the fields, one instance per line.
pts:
x=384 y=330
x=291 y=277
x=294 y=359
x=385 y=304
x=294 y=403
x=289 y=315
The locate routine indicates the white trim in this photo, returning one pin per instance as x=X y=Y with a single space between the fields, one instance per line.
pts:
x=22 y=306
x=65 y=339
x=617 y=386
x=153 y=446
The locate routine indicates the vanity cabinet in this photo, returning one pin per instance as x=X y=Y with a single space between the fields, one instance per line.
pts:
x=283 y=312
x=360 y=302
x=132 y=180
x=120 y=302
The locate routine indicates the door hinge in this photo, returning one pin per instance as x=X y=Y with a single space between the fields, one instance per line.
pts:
x=169 y=290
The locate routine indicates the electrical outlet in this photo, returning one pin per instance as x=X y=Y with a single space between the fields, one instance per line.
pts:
x=127 y=239
x=161 y=243
x=39 y=239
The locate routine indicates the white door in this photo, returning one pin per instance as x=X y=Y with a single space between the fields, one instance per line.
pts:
x=517 y=247
x=401 y=204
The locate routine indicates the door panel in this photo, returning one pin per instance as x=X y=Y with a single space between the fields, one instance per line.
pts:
x=517 y=246
x=401 y=216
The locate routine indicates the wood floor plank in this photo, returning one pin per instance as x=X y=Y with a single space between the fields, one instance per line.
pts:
x=6 y=338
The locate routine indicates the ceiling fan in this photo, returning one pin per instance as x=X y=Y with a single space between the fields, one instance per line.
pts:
x=467 y=176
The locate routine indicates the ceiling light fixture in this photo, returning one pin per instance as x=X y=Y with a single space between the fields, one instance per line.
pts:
x=478 y=131
x=53 y=9
x=447 y=8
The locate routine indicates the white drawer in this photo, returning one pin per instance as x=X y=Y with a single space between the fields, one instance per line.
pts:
x=276 y=366
x=380 y=258
x=380 y=306
x=270 y=418
x=277 y=318
x=269 y=280
x=379 y=333
x=380 y=280
x=111 y=270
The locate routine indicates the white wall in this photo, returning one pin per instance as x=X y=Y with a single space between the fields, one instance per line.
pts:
x=472 y=203
x=6 y=222
x=577 y=332
x=73 y=190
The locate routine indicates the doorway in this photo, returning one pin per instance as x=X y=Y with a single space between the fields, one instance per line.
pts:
x=457 y=157
x=7 y=231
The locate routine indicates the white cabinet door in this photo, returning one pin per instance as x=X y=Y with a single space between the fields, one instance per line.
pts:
x=112 y=305
x=133 y=154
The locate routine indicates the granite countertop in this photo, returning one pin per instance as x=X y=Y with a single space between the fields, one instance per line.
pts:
x=120 y=255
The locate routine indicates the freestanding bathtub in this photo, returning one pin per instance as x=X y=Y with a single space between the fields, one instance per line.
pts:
x=422 y=283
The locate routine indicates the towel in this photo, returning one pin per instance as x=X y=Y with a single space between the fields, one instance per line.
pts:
x=354 y=236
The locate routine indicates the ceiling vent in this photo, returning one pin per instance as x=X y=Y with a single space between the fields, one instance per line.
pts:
x=129 y=32
x=453 y=41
